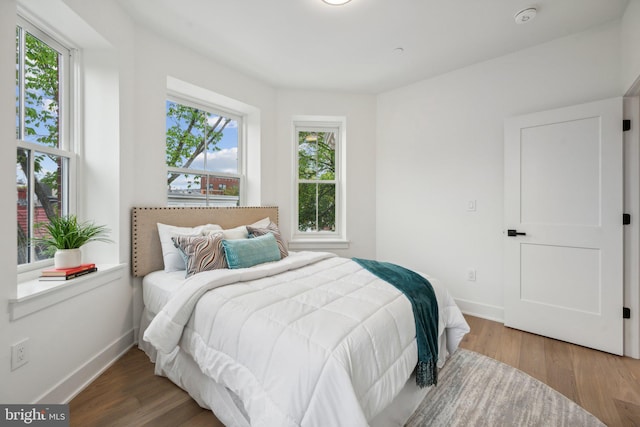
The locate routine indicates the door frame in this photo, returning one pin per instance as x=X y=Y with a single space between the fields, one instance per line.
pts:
x=631 y=156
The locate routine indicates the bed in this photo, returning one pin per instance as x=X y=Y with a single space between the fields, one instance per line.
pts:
x=309 y=339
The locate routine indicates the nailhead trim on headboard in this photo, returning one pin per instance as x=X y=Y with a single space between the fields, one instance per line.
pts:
x=146 y=254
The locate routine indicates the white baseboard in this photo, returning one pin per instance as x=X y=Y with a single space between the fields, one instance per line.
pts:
x=79 y=379
x=485 y=311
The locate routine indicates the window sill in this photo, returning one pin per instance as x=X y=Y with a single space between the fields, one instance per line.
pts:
x=318 y=244
x=35 y=295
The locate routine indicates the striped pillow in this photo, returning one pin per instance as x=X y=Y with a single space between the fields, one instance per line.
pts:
x=202 y=253
x=273 y=229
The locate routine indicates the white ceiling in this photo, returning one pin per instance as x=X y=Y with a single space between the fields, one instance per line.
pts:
x=309 y=44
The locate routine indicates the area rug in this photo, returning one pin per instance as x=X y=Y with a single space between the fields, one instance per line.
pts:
x=475 y=390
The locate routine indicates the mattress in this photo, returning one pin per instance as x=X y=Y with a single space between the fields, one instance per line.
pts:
x=158 y=287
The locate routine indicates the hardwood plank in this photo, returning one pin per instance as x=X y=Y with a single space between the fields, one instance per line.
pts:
x=532 y=356
x=509 y=346
x=491 y=337
x=470 y=340
x=595 y=384
x=559 y=367
x=629 y=413
x=203 y=419
x=129 y=393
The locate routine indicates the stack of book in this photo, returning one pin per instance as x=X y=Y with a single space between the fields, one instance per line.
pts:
x=67 y=273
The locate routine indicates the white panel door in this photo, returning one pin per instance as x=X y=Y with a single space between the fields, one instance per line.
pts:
x=563 y=190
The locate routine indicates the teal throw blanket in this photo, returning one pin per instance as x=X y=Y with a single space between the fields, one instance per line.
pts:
x=425 y=311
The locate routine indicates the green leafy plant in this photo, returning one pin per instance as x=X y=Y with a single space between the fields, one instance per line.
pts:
x=66 y=232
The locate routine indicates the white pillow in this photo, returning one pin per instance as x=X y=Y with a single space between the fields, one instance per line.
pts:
x=173 y=260
x=263 y=223
x=241 y=231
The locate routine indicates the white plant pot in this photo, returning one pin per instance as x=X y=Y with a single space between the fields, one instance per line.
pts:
x=67 y=258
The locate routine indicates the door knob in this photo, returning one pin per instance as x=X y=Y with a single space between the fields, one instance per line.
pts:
x=514 y=233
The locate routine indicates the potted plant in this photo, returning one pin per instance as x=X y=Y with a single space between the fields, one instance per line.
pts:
x=64 y=235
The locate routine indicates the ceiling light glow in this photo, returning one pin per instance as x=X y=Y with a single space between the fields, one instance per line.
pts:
x=336 y=2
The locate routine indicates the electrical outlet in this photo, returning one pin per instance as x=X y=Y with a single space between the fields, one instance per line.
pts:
x=471 y=275
x=19 y=354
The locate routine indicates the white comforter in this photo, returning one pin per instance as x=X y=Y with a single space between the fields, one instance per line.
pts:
x=311 y=340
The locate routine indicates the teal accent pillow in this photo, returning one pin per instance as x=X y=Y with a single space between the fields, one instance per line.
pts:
x=271 y=228
x=245 y=253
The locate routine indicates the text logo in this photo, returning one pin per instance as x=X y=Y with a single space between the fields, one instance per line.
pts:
x=34 y=415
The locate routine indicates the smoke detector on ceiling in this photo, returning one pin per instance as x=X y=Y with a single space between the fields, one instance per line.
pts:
x=525 y=15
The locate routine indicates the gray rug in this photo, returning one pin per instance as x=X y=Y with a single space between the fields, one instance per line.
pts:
x=475 y=390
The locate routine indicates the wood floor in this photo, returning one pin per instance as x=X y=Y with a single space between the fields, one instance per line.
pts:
x=608 y=386
x=129 y=394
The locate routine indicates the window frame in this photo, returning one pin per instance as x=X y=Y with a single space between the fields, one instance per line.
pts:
x=69 y=122
x=189 y=101
x=320 y=239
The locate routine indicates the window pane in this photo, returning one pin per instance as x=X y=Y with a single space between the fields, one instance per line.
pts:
x=41 y=92
x=316 y=207
x=48 y=200
x=50 y=192
x=185 y=136
x=188 y=146
x=198 y=190
x=307 y=196
x=22 y=187
x=316 y=155
x=184 y=189
x=326 y=156
x=307 y=155
x=327 y=207
x=206 y=143
x=49 y=185
x=223 y=186
x=222 y=144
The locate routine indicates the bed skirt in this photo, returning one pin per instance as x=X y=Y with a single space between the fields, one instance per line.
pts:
x=182 y=370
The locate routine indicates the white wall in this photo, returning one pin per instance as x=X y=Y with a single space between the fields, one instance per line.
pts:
x=158 y=58
x=72 y=341
x=360 y=114
x=630 y=39
x=440 y=144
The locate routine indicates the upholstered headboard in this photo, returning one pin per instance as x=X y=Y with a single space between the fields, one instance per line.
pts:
x=146 y=252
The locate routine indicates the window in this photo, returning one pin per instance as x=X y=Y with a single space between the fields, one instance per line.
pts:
x=319 y=180
x=44 y=161
x=202 y=154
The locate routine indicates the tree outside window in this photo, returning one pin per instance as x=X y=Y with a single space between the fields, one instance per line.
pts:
x=43 y=152
x=202 y=156
x=316 y=181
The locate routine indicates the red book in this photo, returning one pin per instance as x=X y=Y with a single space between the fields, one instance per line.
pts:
x=62 y=272
x=69 y=276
